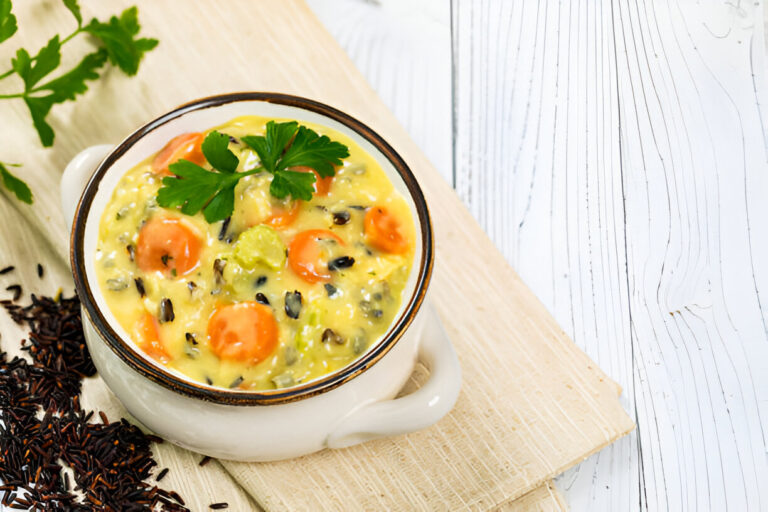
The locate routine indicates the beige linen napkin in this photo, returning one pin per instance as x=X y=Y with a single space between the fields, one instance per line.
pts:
x=532 y=403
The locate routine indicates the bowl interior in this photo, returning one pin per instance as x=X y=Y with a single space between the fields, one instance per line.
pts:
x=201 y=116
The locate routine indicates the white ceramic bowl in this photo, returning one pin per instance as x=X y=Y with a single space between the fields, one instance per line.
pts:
x=352 y=405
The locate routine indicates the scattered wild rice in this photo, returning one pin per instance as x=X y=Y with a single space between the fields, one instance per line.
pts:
x=42 y=426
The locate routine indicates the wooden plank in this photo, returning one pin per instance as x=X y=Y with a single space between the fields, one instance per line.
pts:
x=615 y=154
x=532 y=403
x=404 y=51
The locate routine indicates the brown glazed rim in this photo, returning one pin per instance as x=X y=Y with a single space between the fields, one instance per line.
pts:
x=191 y=389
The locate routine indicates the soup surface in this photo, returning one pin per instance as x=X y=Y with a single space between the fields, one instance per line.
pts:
x=281 y=292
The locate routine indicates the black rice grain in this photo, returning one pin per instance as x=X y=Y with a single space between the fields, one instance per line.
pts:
x=43 y=425
x=205 y=460
x=5 y=270
x=40 y=271
x=340 y=263
x=16 y=289
x=218 y=270
x=140 y=287
x=166 y=311
x=224 y=228
x=293 y=304
x=162 y=474
x=218 y=506
x=341 y=218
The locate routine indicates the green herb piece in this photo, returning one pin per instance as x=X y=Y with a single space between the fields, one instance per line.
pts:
x=46 y=60
x=306 y=148
x=15 y=185
x=8 y=24
x=283 y=146
x=74 y=8
x=195 y=188
x=118 y=37
x=215 y=148
x=118 y=42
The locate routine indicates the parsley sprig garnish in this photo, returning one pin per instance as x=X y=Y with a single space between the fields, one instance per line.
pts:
x=117 y=42
x=282 y=147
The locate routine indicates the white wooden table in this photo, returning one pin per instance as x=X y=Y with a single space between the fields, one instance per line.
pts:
x=616 y=153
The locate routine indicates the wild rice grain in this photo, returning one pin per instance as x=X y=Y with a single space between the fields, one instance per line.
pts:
x=205 y=460
x=162 y=474
x=5 y=270
x=224 y=228
x=166 y=311
x=110 y=462
x=40 y=271
x=16 y=289
x=218 y=506
x=140 y=287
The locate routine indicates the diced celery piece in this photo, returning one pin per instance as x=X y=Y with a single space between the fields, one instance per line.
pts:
x=260 y=245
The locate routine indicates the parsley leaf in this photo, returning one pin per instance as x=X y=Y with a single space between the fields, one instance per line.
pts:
x=46 y=60
x=118 y=43
x=72 y=83
x=271 y=145
x=195 y=188
x=216 y=150
x=282 y=147
x=118 y=37
x=312 y=150
x=307 y=149
x=296 y=184
x=15 y=185
x=8 y=24
x=74 y=8
x=38 y=109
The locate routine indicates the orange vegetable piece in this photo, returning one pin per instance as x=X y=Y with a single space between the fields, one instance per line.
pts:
x=283 y=217
x=384 y=231
x=246 y=331
x=321 y=185
x=187 y=146
x=148 y=338
x=304 y=255
x=167 y=244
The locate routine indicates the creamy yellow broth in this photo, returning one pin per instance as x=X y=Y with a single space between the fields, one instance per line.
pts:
x=367 y=296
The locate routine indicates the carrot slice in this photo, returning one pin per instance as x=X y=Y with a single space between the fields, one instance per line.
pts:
x=246 y=331
x=167 y=245
x=148 y=338
x=283 y=217
x=187 y=146
x=321 y=185
x=305 y=255
x=384 y=231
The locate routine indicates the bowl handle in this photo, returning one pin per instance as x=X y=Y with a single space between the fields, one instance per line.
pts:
x=76 y=175
x=417 y=410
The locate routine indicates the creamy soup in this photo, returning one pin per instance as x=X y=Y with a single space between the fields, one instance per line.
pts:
x=281 y=292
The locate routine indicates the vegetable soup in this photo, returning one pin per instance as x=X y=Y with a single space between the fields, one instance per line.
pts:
x=259 y=255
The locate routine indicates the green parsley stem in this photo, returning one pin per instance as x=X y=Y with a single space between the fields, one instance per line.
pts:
x=9 y=96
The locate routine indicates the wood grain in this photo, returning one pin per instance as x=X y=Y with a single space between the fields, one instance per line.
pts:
x=532 y=403
x=615 y=153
